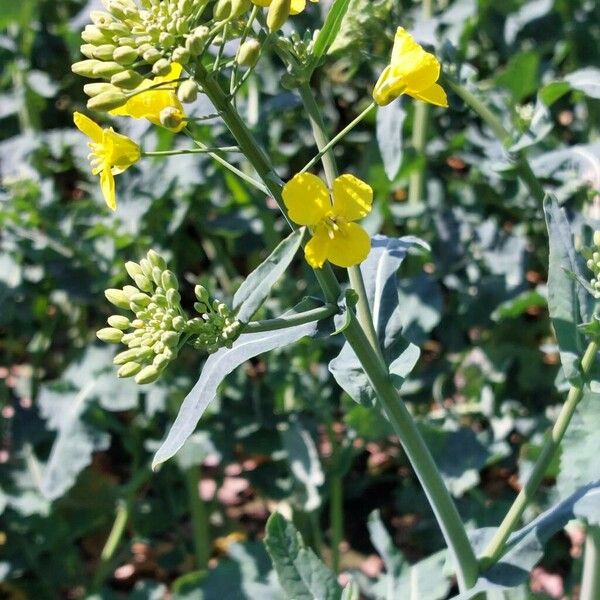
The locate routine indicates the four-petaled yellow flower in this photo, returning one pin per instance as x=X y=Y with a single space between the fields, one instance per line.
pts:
x=111 y=154
x=411 y=71
x=159 y=95
x=296 y=6
x=336 y=237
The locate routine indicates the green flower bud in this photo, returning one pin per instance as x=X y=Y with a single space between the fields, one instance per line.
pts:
x=161 y=361
x=222 y=10
x=130 y=290
x=169 y=281
x=87 y=50
x=173 y=297
x=118 y=298
x=119 y=322
x=166 y=39
x=170 y=339
x=188 y=91
x=85 y=67
x=110 y=335
x=147 y=375
x=107 y=69
x=92 y=35
x=181 y=56
x=248 y=53
x=107 y=101
x=128 y=80
x=170 y=117
x=178 y=323
x=156 y=260
x=161 y=66
x=138 y=324
x=146 y=267
x=152 y=55
x=129 y=369
x=125 y=55
x=157 y=275
x=201 y=293
x=143 y=283
x=161 y=300
x=279 y=11
x=104 y=51
x=101 y=19
x=141 y=299
x=596 y=238
x=239 y=7
x=133 y=269
x=93 y=89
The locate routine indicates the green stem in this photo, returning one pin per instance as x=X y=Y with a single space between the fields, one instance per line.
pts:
x=496 y=546
x=206 y=150
x=329 y=165
x=416 y=182
x=590 y=582
x=316 y=314
x=376 y=371
x=522 y=166
x=199 y=514
x=336 y=516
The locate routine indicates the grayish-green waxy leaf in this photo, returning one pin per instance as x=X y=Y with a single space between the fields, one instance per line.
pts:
x=379 y=273
x=424 y=579
x=301 y=573
x=390 y=120
x=304 y=462
x=580 y=448
x=257 y=286
x=216 y=368
x=585 y=80
x=567 y=302
x=530 y=11
x=526 y=545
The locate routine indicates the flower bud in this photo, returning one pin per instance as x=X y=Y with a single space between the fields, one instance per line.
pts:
x=118 y=298
x=106 y=69
x=147 y=375
x=156 y=260
x=129 y=369
x=169 y=281
x=181 y=55
x=92 y=35
x=101 y=19
x=143 y=283
x=173 y=297
x=201 y=293
x=141 y=299
x=188 y=91
x=127 y=79
x=169 y=339
x=107 y=100
x=239 y=7
x=279 y=11
x=104 y=51
x=248 y=53
x=87 y=50
x=596 y=238
x=110 y=335
x=125 y=55
x=222 y=10
x=93 y=89
x=85 y=67
x=171 y=117
x=133 y=269
x=152 y=55
x=178 y=323
x=119 y=322
x=161 y=66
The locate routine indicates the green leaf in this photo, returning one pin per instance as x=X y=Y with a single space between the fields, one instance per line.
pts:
x=580 y=448
x=567 y=303
x=216 y=368
x=257 y=286
x=424 y=579
x=379 y=273
x=521 y=75
x=301 y=573
x=517 y=306
x=390 y=120
x=327 y=35
x=553 y=91
x=586 y=80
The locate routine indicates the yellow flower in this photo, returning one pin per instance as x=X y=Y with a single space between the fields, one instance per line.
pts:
x=336 y=237
x=111 y=154
x=411 y=71
x=297 y=6
x=149 y=104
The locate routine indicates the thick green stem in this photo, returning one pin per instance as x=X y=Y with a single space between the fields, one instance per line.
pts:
x=316 y=314
x=497 y=544
x=590 y=581
x=376 y=371
x=522 y=166
x=199 y=514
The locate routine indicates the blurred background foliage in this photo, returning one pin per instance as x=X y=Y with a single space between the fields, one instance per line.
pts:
x=77 y=442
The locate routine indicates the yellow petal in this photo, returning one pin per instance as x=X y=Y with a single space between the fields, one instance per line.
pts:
x=349 y=246
x=404 y=43
x=173 y=74
x=352 y=198
x=419 y=69
x=124 y=151
x=434 y=95
x=317 y=248
x=107 y=184
x=87 y=126
x=307 y=199
x=297 y=6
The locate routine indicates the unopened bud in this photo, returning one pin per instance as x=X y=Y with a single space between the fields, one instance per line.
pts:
x=129 y=369
x=104 y=51
x=188 y=91
x=248 y=53
x=118 y=298
x=173 y=297
x=152 y=55
x=147 y=269
x=161 y=66
x=596 y=238
x=142 y=299
x=107 y=101
x=156 y=260
x=169 y=281
x=119 y=322
x=92 y=35
x=181 y=56
x=279 y=11
x=128 y=79
x=147 y=375
x=110 y=335
x=171 y=117
x=239 y=7
x=133 y=269
x=93 y=89
x=178 y=323
x=143 y=283
x=107 y=69
x=85 y=67
x=125 y=55
x=126 y=356
x=201 y=293
x=222 y=10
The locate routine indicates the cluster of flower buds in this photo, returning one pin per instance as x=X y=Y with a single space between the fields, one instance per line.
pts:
x=160 y=326
x=593 y=264
x=132 y=42
x=216 y=327
x=154 y=335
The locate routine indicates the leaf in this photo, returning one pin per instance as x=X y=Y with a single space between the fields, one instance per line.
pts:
x=526 y=544
x=390 y=120
x=304 y=462
x=566 y=300
x=540 y=126
x=379 y=274
x=586 y=80
x=424 y=579
x=521 y=75
x=301 y=573
x=580 y=448
x=216 y=368
x=257 y=286
x=530 y=11
x=575 y=164
x=517 y=306
x=329 y=32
